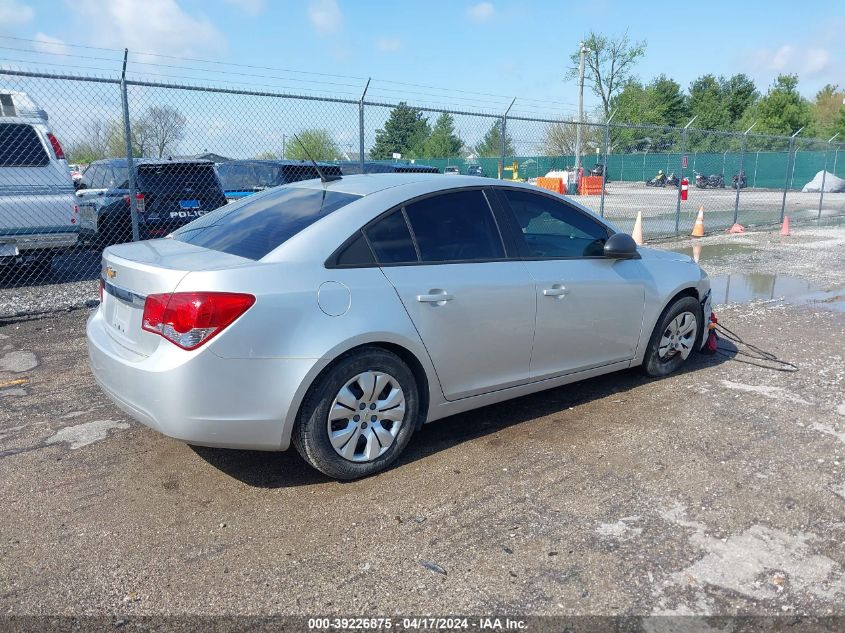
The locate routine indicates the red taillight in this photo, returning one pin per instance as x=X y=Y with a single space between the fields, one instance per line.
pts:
x=189 y=319
x=57 y=147
x=75 y=214
x=140 y=204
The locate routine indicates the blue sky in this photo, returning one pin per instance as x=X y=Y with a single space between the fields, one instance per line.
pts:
x=455 y=48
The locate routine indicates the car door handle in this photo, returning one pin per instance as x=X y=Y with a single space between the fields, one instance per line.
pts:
x=555 y=291
x=435 y=297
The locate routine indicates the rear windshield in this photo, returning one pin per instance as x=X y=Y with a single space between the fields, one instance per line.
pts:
x=21 y=147
x=176 y=178
x=256 y=225
x=248 y=177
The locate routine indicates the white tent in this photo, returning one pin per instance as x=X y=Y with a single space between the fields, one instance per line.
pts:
x=832 y=184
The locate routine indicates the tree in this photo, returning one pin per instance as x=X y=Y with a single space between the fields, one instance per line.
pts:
x=491 y=144
x=93 y=146
x=740 y=93
x=608 y=65
x=560 y=138
x=666 y=101
x=315 y=143
x=827 y=106
x=782 y=110
x=708 y=104
x=443 y=141
x=265 y=155
x=162 y=129
x=405 y=131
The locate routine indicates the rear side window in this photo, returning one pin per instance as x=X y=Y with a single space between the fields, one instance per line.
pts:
x=457 y=226
x=21 y=147
x=260 y=223
x=391 y=240
x=177 y=177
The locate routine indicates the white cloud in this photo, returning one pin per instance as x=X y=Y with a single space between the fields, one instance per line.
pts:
x=388 y=44
x=154 y=26
x=14 y=13
x=806 y=62
x=252 y=8
x=46 y=44
x=325 y=16
x=481 y=12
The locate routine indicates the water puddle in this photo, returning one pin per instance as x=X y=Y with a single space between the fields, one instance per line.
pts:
x=745 y=287
x=711 y=252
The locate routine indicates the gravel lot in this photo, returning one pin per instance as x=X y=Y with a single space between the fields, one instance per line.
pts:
x=718 y=491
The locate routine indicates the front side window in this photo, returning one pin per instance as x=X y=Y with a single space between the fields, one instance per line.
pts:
x=455 y=226
x=260 y=223
x=552 y=228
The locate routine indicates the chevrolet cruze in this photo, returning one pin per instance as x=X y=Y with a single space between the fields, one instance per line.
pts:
x=341 y=315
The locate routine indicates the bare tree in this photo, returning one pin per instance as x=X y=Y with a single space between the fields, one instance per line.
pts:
x=93 y=145
x=560 y=138
x=609 y=63
x=160 y=130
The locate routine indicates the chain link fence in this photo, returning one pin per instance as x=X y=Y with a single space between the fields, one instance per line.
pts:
x=86 y=162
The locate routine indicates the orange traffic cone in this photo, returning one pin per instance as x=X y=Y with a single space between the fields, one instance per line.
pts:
x=736 y=228
x=784 y=230
x=637 y=233
x=698 y=229
x=696 y=251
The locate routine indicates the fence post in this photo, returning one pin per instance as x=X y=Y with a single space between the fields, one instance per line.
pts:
x=742 y=170
x=361 y=125
x=824 y=173
x=130 y=164
x=605 y=166
x=786 y=175
x=756 y=161
x=503 y=141
x=681 y=175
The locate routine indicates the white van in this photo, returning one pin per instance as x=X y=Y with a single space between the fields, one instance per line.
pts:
x=38 y=211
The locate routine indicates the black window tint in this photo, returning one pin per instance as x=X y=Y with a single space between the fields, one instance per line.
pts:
x=552 y=228
x=391 y=240
x=256 y=225
x=177 y=178
x=21 y=147
x=456 y=226
x=356 y=253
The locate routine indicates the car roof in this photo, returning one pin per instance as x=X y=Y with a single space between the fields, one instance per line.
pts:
x=367 y=184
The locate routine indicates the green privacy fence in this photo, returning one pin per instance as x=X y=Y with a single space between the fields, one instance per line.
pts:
x=764 y=169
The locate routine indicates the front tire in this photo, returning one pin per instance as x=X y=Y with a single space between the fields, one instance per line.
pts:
x=359 y=415
x=675 y=337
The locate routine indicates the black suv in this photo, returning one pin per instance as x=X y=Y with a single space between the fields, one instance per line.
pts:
x=168 y=194
x=241 y=178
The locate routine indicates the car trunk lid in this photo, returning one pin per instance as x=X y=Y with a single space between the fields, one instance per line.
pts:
x=131 y=272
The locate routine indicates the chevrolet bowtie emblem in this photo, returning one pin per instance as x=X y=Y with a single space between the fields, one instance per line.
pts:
x=111 y=273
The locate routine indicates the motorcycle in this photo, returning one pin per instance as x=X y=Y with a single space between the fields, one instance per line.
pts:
x=672 y=180
x=658 y=181
x=739 y=180
x=713 y=181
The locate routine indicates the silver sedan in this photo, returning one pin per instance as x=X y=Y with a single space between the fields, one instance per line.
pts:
x=342 y=315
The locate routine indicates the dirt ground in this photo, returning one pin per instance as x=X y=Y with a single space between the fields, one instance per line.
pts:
x=717 y=491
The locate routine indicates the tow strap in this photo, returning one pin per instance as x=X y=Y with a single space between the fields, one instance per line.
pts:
x=752 y=354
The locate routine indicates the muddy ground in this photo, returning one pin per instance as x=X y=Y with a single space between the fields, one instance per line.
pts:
x=719 y=490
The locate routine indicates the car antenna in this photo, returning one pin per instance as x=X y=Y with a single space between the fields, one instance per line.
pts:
x=323 y=176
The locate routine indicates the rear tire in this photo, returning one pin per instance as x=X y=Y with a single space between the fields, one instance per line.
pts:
x=357 y=418
x=675 y=338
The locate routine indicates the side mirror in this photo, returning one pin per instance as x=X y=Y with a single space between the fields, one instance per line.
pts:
x=621 y=246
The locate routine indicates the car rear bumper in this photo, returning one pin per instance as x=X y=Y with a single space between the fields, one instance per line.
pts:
x=199 y=397
x=14 y=244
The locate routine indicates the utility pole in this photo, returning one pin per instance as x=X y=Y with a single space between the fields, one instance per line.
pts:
x=583 y=52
